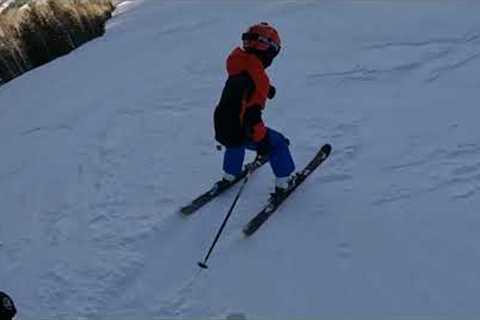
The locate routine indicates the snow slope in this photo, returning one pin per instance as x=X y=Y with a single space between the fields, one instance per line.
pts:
x=101 y=147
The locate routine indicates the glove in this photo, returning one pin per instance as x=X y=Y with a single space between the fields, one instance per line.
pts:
x=264 y=147
x=271 y=92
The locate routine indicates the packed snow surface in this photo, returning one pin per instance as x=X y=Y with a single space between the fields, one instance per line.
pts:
x=100 y=148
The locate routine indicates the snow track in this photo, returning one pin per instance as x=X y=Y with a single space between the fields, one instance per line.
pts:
x=100 y=148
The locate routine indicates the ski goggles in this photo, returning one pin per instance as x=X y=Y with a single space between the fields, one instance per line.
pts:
x=267 y=41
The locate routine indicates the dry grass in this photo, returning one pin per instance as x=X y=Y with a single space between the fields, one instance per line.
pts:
x=33 y=36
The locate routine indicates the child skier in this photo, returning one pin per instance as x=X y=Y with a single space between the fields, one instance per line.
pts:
x=238 y=116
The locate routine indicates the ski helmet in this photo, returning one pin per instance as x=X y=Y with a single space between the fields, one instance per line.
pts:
x=7 y=307
x=262 y=38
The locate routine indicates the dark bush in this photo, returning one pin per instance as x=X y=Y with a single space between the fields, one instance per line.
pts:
x=32 y=37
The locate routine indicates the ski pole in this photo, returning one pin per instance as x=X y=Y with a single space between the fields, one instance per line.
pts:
x=203 y=264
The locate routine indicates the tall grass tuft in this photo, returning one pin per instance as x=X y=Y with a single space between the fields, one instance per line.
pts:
x=42 y=31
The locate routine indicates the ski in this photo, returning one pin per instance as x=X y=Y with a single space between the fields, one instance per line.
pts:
x=274 y=203
x=215 y=191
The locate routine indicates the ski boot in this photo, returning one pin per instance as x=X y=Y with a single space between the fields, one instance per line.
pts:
x=282 y=187
x=223 y=184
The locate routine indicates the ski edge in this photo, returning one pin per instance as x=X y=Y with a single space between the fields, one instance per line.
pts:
x=258 y=220
x=191 y=208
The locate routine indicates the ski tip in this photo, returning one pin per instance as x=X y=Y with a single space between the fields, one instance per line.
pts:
x=185 y=211
x=327 y=148
x=247 y=231
x=202 y=265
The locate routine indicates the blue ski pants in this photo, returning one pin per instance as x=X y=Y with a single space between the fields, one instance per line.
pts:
x=280 y=158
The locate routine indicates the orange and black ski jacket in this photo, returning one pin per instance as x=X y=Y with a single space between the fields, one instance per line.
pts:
x=238 y=115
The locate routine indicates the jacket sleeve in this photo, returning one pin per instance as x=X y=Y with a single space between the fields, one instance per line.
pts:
x=254 y=125
x=256 y=129
x=262 y=87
